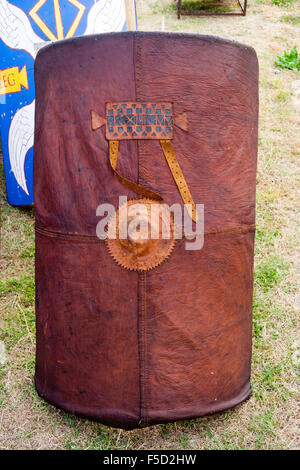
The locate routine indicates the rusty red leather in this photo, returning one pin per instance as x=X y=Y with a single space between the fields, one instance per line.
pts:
x=132 y=349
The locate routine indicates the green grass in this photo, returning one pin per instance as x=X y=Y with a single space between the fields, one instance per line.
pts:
x=265 y=238
x=19 y=316
x=195 y=6
x=24 y=286
x=270 y=272
x=283 y=96
x=283 y=3
x=263 y=426
x=290 y=60
x=294 y=20
x=158 y=8
x=3 y=390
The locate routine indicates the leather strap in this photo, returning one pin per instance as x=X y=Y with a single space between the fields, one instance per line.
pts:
x=136 y=121
x=175 y=170
x=179 y=179
x=113 y=157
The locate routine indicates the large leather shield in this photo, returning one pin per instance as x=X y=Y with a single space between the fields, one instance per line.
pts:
x=125 y=342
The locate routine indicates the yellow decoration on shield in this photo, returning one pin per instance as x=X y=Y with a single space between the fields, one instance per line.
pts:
x=12 y=79
x=58 y=19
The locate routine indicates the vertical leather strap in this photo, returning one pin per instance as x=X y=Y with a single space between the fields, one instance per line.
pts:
x=113 y=157
x=179 y=178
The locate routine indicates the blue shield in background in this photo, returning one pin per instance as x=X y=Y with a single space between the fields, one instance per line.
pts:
x=24 y=26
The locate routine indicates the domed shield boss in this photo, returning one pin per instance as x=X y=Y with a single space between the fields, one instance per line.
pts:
x=140 y=235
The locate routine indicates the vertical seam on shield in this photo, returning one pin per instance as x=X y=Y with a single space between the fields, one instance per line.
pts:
x=140 y=294
x=144 y=308
x=141 y=276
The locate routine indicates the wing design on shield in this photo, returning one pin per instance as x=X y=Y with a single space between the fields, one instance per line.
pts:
x=106 y=16
x=20 y=140
x=15 y=28
x=16 y=32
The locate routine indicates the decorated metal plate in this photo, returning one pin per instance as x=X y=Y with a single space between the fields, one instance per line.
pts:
x=131 y=120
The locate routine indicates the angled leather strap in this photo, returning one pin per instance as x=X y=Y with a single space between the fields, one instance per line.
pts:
x=127 y=121
x=113 y=157
x=179 y=179
x=175 y=170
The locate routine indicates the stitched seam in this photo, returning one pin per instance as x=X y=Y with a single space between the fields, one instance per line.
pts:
x=94 y=239
x=136 y=60
x=140 y=352
x=142 y=276
x=240 y=228
x=75 y=237
x=145 y=347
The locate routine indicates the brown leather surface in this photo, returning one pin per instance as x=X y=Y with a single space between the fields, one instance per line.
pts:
x=132 y=349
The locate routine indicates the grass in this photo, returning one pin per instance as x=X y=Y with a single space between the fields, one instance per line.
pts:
x=157 y=7
x=195 y=6
x=292 y=19
x=283 y=3
x=263 y=427
x=270 y=272
x=289 y=60
x=268 y=420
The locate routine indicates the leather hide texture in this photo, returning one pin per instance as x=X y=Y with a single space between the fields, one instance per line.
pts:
x=129 y=348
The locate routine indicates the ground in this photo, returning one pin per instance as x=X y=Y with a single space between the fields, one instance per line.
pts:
x=268 y=419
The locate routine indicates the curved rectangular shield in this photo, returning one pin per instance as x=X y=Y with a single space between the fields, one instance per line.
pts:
x=133 y=331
